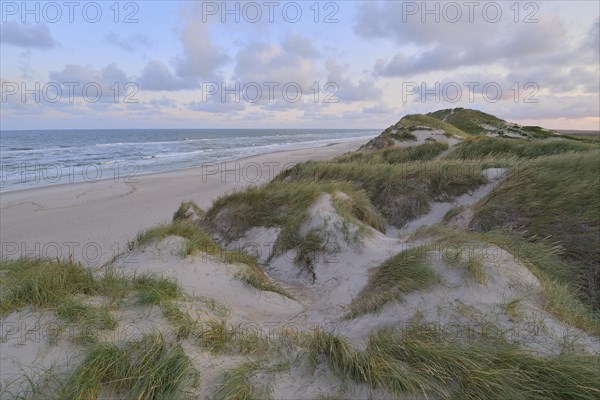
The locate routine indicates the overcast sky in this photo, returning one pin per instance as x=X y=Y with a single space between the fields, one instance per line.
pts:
x=308 y=64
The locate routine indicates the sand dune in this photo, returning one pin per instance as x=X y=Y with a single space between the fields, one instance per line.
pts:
x=262 y=298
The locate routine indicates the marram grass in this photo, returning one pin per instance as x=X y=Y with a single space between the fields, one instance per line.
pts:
x=407 y=271
x=424 y=362
x=147 y=368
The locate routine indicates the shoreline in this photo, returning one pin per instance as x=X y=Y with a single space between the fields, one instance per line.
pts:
x=93 y=221
x=172 y=171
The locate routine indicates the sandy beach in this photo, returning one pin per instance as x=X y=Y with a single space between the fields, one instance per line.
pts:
x=94 y=221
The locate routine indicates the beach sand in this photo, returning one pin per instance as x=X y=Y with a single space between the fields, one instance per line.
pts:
x=93 y=221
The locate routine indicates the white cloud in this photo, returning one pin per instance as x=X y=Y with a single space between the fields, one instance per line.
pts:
x=157 y=76
x=131 y=42
x=27 y=35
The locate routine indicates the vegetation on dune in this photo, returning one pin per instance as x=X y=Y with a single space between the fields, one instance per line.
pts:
x=538 y=132
x=488 y=147
x=184 y=209
x=284 y=204
x=402 y=135
x=76 y=311
x=460 y=123
x=213 y=332
x=396 y=155
x=198 y=240
x=77 y=295
x=404 y=130
x=467 y=120
x=406 y=271
x=486 y=368
x=148 y=368
x=564 y=293
x=475 y=122
x=425 y=122
x=236 y=384
x=155 y=289
x=553 y=199
x=561 y=285
x=472 y=264
x=426 y=361
x=43 y=283
x=400 y=192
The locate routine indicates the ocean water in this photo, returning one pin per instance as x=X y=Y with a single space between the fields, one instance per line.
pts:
x=40 y=158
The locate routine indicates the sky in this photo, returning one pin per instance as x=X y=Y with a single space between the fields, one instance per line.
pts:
x=304 y=64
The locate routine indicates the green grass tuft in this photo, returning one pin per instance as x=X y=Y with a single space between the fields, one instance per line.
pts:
x=182 y=211
x=407 y=271
x=155 y=289
x=148 y=368
x=42 y=283
x=236 y=385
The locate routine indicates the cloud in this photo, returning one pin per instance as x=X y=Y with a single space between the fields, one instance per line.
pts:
x=297 y=44
x=568 y=79
x=295 y=60
x=27 y=35
x=163 y=102
x=199 y=61
x=110 y=79
x=552 y=107
x=200 y=57
x=428 y=46
x=264 y=62
x=131 y=42
x=378 y=109
x=156 y=76
x=349 y=91
x=215 y=105
x=520 y=45
x=438 y=58
x=153 y=107
x=393 y=20
x=590 y=46
x=85 y=73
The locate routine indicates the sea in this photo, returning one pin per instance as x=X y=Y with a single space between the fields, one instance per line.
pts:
x=37 y=158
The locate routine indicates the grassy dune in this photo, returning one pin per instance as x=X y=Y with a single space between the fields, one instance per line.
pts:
x=199 y=241
x=284 y=204
x=545 y=212
x=400 y=192
x=483 y=147
x=553 y=199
